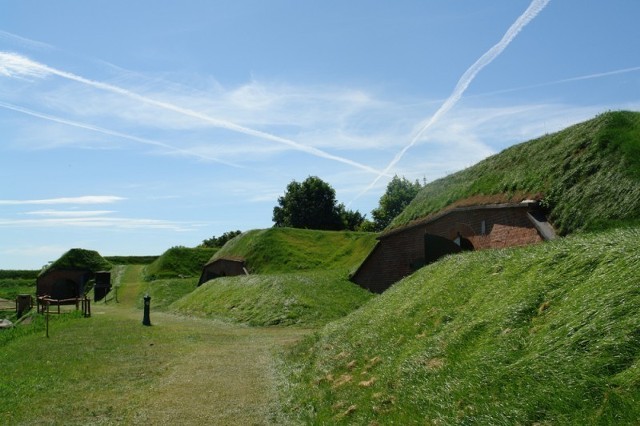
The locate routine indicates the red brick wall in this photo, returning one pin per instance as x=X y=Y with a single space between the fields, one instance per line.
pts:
x=395 y=254
x=504 y=227
x=391 y=260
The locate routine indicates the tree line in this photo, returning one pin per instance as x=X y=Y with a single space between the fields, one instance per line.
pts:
x=312 y=204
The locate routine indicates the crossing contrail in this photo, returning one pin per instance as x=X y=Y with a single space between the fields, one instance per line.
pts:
x=14 y=65
x=532 y=11
x=109 y=132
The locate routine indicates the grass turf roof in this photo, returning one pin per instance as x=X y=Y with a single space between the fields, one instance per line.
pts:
x=588 y=175
x=80 y=259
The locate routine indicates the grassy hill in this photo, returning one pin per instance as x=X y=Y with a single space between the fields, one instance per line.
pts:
x=179 y=262
x=78 y=258
x=278 y=250
x=306 y=299
x=298 y=277
x=588 y=175
x=548 y=334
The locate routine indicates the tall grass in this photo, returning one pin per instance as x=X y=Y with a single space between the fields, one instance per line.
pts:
x=11 y=287
x=548 y=334
x=164 y=292
x=306 y=299
x=179 y=262
x=278 y=250
x=587 y=175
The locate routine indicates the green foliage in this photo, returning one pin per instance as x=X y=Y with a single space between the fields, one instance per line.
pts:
x=11 y=287
x=400 y=192
x=547 y=334
x=351 y=220
x=131 y=260
x=80 y=259
x=312 y=205
x=15 y=282
x=19 y=274
x=220 y=241
x=301 y=299
x=587 y=175
x=277 y=250
x=179 y=262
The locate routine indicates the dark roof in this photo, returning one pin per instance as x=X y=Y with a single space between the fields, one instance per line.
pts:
x=527 y=204
x=230 y=258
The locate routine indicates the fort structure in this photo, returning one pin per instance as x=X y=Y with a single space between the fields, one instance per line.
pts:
x=401 y=251
x=223 y=267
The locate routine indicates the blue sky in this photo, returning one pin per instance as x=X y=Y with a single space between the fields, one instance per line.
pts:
x=131 y=127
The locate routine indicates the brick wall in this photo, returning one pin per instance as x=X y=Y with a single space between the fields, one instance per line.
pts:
x=397 y=254
x=391 y=260
x=222 y=268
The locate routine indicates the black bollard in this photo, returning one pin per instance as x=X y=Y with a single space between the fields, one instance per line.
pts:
x=147 y=304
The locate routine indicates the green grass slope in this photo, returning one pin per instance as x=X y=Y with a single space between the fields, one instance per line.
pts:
x=547 y=334
x=588 y=175
x=277 y=250
x=179 y=262
x=306 y=299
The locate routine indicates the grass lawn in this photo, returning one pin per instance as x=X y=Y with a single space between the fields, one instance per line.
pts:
x=110 y=369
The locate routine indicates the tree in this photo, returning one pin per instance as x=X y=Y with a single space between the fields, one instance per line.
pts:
x=219 y=241
x=312 y=204
x=352 y=220
x=400 y=192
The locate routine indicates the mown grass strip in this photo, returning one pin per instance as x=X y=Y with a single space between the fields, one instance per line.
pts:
x=110 y=369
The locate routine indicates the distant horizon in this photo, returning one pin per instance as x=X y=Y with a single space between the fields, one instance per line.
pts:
x=133 y=128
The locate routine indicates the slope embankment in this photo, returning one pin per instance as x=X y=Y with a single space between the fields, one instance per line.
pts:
x=587 y=175
x=548 y=334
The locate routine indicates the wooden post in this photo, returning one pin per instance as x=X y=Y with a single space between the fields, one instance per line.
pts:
x=47 y=316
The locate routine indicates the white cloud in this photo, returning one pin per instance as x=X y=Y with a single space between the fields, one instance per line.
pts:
x=108 y=132
x=18 y=66
x=13 y=65
x=98 y=222
x=70 y=213
x=86 y=199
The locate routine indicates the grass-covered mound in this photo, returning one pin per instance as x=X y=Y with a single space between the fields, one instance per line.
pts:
x=548 y=334
x=165 y=291
x=302 y=299
x=588 y=175
x=179 y=262
x=277 y=250
x=80 y=259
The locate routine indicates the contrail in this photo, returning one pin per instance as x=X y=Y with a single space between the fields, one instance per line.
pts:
x=12 y=64
x=111 y=133
x=532 y=11
x=25 y=41
x=562 y=81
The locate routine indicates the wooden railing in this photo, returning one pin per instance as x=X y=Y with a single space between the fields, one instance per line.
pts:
x=45 y=302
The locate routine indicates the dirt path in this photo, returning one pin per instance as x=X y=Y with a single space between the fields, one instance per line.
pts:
x=205 y=372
